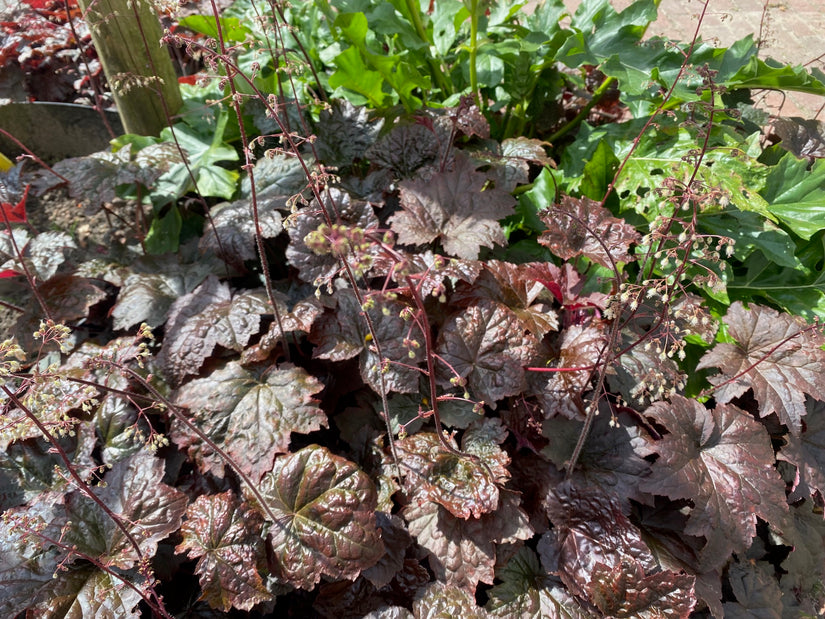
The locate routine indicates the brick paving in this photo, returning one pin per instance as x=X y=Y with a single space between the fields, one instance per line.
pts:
x=791 y=31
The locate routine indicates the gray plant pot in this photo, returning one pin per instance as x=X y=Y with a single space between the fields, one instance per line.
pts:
x=55 y=131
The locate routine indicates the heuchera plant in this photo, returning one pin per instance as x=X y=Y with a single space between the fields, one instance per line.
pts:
x=405 y=369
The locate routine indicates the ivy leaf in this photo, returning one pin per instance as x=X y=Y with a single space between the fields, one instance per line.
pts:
x=722 y=460
x=325 y=517
x=150 y=509
x=225 y=536
x=467 y=487
x=489 y=346
x=582 y=227
x=777 y=355
x=462 y=552
x=439 y=601
x=528 y=591
x=250 y=415
x=231 y=232
x=453 y=207
x=204 y=318
x=807 y=451
x=346 y=334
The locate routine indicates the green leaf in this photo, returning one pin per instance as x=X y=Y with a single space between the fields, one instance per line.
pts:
x=164 y=233
x=777 y=76
x=797 y=195
x=232 y=28
x=599 y=172
x=751 y=232
x=325 y=525
x=528 y=591
x=353 y=74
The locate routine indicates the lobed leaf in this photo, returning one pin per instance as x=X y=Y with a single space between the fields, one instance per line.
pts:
x=489 y=346
x=325 y=517
x=453 y=208
x=807 y=451
x=439 y=601
x=528 y=591
x=224 y=534
x=464 y=485
x=231 y=232
x=249 y=414
x=462 y=552
x=721 y=460
x=601 y=556
x=777 y=355
x=346 y=334
x=582 y=227
x=150 y=509
x=204 y=318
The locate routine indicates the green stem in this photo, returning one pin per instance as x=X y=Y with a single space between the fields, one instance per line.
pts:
x=474 y=53
x=597 y=96
x=435 y=66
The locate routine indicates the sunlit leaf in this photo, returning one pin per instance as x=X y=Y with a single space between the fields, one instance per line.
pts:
x=454 y=208
x=722 y=460
x=325 y=517
x=225 y=536
x=582 y=227
x=489 y=346
x=777 y=355
x=250 y=414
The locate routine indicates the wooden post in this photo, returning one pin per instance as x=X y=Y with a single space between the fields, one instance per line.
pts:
x=126 y=34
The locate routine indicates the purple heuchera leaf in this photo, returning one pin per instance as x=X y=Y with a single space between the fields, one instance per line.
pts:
x=777 y=355
x=596 y=545
x=582 y=227
x=250 y=415
x=225 y=536
x=487 y=344
x=440 y=600
x=807 y=451
x=320 y=268
x=204 y=318
x=516 y=286
x=722 y=460
x=150 y=509
x=466 y=486
x=324 y=510
x=452 y=207
x=345 y=334
x=462 y=552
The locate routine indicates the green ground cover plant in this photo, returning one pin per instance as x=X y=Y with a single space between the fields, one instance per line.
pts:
x=447 y=310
